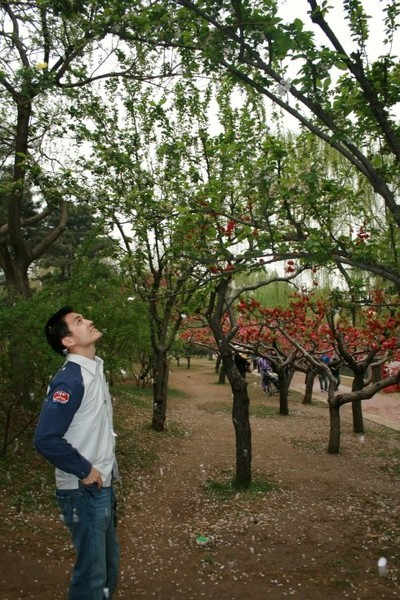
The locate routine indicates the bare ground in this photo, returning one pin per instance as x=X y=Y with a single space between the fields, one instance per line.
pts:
x=316 y=534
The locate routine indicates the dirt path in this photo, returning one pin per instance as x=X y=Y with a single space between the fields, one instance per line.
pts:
x=317 y=535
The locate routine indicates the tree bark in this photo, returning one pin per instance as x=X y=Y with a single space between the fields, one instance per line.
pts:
x=160 y=390
x=356 y=405
x=285 y=375
x=334 y=429
x=308 y=392
x=16 y=275
x=358 y=421
x=241 y=422
x=283 y=396
x=241 y=402
x=16 y=254
x=15 y=259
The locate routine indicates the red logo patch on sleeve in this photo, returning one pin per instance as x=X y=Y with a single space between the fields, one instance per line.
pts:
x=61 y=397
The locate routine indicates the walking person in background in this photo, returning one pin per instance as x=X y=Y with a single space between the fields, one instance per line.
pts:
x=269 y=379
x=335 y=370
x=265 y=368
x=322 y=376
x=75 y=434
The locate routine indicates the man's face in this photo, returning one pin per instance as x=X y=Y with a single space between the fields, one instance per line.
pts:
x=83 y=334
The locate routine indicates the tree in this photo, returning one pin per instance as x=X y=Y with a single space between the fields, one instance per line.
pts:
x=354 y=112
x=367 y=345
x=49 y=53
x=295 y=336
x=221 y=305
x=145 y=170
x=185 y=189
x=371 y=343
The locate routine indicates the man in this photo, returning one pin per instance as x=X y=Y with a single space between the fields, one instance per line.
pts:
x=75 y=434
x=322 y=376
x=265 y=368
x=334 y=367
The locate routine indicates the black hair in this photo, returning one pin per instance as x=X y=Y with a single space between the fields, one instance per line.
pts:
x=56 y=329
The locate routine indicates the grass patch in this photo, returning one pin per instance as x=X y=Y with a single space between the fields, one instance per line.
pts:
x=263 y=411
x=137 y=443
x=258 y=411
x=140 y=397
x=386 y=434
x=344 y=566
x=217 y=407
x=342 y=583
x=27 y=488
x=173 y=393
x=226 y=490
x=313 y=445
x=391 y=465
x=136 y=447
x=174 y=429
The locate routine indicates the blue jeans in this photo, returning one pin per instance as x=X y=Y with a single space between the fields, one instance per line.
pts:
x=323 y=382
x=89 y=513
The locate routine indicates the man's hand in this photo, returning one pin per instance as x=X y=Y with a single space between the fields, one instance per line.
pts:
x=93 y=477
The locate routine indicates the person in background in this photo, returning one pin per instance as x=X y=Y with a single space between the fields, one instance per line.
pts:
x=75 y=434
x=335 y=370
x=322 y=376
x=265 y=368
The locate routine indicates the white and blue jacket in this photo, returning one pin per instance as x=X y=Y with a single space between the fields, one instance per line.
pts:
x=75 y=428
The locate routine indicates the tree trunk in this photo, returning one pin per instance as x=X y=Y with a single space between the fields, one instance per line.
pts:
x=15 y=257
x=6 y=430
x=356 y=405
x=241 y=422
x=358 y=421
x=16 y=253
x=310 y=376
x=283 y=398
x=285 y=376
x=241 y=400
x=334 y=421
x=16 y=275
x=160 y=390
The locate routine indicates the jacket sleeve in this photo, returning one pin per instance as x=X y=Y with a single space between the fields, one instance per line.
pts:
x=58 y=410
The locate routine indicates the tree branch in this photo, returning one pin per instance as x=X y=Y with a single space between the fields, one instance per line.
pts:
x=52 y=236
